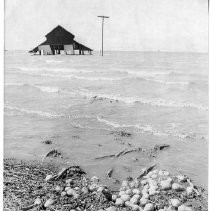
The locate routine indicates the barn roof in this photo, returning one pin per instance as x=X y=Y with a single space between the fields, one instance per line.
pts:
x=81 y=46
x=58 y=31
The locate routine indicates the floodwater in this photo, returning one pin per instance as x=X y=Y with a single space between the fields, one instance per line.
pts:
x=83 y=103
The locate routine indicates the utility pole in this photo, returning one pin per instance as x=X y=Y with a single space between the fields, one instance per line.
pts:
x=101 y=16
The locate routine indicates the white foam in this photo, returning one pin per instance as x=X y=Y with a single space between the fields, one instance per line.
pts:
x=146 y=129
x=53 y=61
x=112 y=124
x=47 y=89
x=142 y=128
x=29 y=70
x=70 y=76
x=39 y=113
x=68 y=70
x=183 y=83
x=14 y=84
x=148 y=76
x=135 y=99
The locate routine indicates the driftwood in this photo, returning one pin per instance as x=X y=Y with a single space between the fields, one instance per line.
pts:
x=67 y=172
x=156 y=148
x=121 y=153
x=146 y=171
x=109 y=173
x=124 y=152
x=52 y=153
x=105 y=156
x=160 y=147
x=28 y=208
x=194 y=188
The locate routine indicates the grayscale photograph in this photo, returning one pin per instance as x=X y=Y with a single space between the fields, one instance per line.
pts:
x=105 y=105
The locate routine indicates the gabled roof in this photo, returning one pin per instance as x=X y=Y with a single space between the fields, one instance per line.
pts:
x=59 y=30
x=59 y=36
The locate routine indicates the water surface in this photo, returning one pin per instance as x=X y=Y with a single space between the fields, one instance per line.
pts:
x=79 y=102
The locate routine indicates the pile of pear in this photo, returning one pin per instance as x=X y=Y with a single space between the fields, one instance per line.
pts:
x=136 y=193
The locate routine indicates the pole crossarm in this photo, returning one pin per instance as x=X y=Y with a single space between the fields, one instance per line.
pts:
x=102 y=16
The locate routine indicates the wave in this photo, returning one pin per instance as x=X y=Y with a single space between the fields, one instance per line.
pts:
x=147 y=76
x=166 y=73
x=141 y=76
x=71 y=76
x=83 y=77
x=47 y=89
x=147 y=129
x=14 y=84
x=117 y=98
x=30 y=70
x=54 y=61
x=183 y=83
x=132 y=100
x=39 y=113
x=49 y=114
x=146 y=73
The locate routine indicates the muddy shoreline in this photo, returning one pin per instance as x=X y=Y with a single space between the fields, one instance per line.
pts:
x=30 y=185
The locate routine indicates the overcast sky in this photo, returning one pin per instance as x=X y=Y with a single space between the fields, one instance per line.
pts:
x=144 y=25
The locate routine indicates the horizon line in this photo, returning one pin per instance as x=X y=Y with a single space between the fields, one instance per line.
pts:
x=158 y=51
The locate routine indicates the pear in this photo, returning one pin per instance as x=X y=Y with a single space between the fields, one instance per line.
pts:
x=149 y=207
x=184 y=208
x=125 y=197
x=175 y=202
x=136 y=191
x=177 y=187
x=119 y=202
x=94 y=179
x=48 y=177
x=48 y=203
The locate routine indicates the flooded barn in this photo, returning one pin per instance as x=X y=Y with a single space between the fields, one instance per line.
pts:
x=60 y=41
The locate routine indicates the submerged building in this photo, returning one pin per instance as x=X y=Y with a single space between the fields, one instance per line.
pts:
x=58 y=41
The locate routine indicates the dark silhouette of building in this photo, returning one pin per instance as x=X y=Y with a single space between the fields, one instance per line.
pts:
x=58 y=40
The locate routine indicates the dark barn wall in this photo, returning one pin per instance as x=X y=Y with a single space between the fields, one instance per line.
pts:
x=59 y=36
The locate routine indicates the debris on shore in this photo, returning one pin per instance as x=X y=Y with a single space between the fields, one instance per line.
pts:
x=53 y=153
x=151 y=152
x=29 y=186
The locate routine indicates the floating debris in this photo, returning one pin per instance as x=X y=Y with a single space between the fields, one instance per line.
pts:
x=75 y=137
x=146 y=171
x=160 y=146
x=122 y=133
x=109 y=173
x=47 y=141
